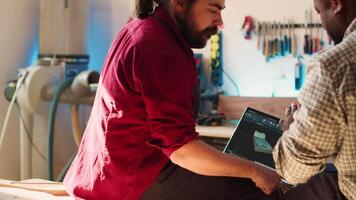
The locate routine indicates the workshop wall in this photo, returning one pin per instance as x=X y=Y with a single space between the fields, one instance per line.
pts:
x=244 y=63
x=18 y=44
x=107 y=17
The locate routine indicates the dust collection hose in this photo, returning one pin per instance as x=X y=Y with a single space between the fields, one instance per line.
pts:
x=79 y=86
x=77 y=138
x=65 y=169
x=51 y=123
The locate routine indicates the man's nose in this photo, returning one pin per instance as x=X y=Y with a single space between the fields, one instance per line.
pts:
x=219 y=21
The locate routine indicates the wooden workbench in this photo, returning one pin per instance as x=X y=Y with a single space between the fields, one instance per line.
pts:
x=215 y=136
x=215 y=131
x=9 y=193
x=33 y=189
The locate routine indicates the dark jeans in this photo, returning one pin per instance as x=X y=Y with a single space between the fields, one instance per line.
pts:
x=323 y=186
x=176 y=183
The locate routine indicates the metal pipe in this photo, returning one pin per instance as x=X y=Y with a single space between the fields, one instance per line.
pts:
x=67 y=96
x=81 y=83
x=79 y=92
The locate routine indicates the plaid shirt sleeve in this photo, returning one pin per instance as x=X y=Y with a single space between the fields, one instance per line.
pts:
x=313 y=137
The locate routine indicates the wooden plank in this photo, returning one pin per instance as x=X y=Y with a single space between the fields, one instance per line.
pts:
x=63 y=30
x=54 y=188
x=234 y=106
x=10 y=193
x=215 y=131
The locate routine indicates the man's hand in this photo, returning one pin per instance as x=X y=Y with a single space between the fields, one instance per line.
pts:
x=266 y=179
x=285 y=123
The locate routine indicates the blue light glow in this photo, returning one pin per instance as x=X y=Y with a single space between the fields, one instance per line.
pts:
x=34 y=51
x=99 y=38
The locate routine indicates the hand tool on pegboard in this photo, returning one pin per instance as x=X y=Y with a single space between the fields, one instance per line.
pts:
x=271 y=41
x=281 y=40
x=306 y=35
x=286 y=37
x=275 y=40
x=269 y=49
x=321 y=34
x=265 y=44
x=259 y=35
x=293 y=39
x=312 y=43
x=316 y=39
x=249 y=27
x=298 y=73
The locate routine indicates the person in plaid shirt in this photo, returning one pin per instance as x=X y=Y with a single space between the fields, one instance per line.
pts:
x=323 y=125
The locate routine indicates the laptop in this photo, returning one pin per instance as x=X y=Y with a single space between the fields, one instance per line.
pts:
x=254 y=137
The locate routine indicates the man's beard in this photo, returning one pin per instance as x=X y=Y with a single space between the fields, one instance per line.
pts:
x=195 y=38
x=336 y=39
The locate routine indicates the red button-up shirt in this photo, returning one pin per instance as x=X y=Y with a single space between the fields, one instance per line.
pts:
x=143 y=111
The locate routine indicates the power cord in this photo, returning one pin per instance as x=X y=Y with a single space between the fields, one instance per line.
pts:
x=28 y=133
x=22 y=77
x=233 y=83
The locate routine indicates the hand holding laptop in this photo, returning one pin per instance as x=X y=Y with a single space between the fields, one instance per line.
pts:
x=285 y=123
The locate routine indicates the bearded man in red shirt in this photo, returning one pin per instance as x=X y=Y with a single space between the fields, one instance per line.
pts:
x=140 y=141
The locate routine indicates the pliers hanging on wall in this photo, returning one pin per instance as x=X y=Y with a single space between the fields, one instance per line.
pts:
x=66 y=4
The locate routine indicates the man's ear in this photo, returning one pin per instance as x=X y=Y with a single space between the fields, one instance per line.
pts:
x=179 y=5
x=338 y=6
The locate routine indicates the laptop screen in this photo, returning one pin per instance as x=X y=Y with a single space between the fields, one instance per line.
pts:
x=254 y=137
